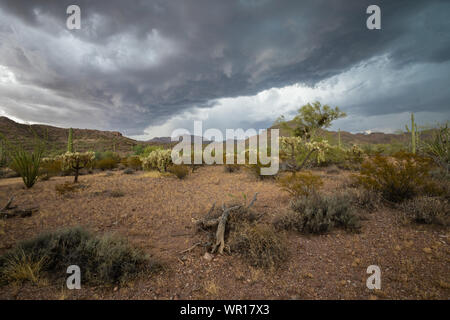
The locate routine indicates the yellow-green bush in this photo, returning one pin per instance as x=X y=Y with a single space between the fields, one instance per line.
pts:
x=180 y=171
x=134 y=162
x=397 y=178
x=300 y=183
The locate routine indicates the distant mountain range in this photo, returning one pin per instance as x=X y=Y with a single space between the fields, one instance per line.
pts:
x=97 y=140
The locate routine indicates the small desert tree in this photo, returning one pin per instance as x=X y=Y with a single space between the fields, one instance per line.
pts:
x=304 y=140
x=310 y=118
x=76 y=161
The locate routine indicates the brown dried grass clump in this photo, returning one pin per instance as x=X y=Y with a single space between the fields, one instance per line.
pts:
x=260 y=244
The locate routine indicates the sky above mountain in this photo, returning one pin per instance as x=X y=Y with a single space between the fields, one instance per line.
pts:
x=146 y=68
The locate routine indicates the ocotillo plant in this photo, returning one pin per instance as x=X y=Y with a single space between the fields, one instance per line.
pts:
x=414 y=134
x=70 y=141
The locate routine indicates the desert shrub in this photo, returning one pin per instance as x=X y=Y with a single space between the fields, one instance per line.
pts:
x=319 y=214
x=50 y=167
x=300 y=183
x=106 y=164
x=3 y=154
x=145 y=151
x=428 y=210
x=128 y=171
x=333 y=170
x=134 y=162
x=158 y=159
x=398 y=178
x=103 y=260
x=364 y=199
x=259 y=244
x=180 y=171
x=66 y=187
x=230 y=168
x=334 y=156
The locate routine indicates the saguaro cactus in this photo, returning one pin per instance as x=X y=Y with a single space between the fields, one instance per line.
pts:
x=414 y=134
x=70 y=141
x=339 y=138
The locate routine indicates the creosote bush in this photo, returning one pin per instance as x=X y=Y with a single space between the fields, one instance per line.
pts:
x=103 y=260
x=428 y=210
x=259 y=244
x=398 y=178
x=300 y=183
x=319 y=214
x=134 y=162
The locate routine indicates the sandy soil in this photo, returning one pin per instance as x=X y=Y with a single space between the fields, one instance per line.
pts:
x=156 y=213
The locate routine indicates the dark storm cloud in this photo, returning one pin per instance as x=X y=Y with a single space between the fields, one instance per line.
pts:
x=138 y=63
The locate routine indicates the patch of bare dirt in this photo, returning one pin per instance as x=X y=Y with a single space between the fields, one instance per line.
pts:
x=157 y=214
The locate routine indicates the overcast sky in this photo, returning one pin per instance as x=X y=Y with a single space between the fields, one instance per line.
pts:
x=146 y=68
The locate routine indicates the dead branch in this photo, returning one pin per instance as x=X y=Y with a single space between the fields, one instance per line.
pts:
x=253 y=201
x=191 y=247
x=220 y=222
x=220 y=233
x=8 y=204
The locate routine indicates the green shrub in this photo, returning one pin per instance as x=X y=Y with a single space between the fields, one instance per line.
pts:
x=300 y=183
x=428 y=210
x=106 y=164
x=50 y=167
x=142 y=151
x=103 y=260
x=398 y=178
x=134 y=162
x=180 y=171
x=259 y=244
x=319 y=214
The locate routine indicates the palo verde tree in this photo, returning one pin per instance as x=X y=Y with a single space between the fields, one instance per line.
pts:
x=310 y=118
x=304 y=139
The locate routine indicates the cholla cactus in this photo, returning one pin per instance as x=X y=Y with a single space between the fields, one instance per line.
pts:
x=356 y=154
x=76 y=161
x=292 y=147
x=320 y=147
x=158 y=159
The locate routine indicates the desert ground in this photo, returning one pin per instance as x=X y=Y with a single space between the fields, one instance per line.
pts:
x=157 y=214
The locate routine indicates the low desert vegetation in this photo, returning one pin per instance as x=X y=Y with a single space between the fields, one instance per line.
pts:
x=103 y=260
x=428 y=210
x=259 y=244
x=397 y=178
x=301 y=183
x=319 y=214
x=180 y=171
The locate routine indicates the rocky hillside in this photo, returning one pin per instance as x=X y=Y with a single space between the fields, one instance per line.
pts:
x=84 y=139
